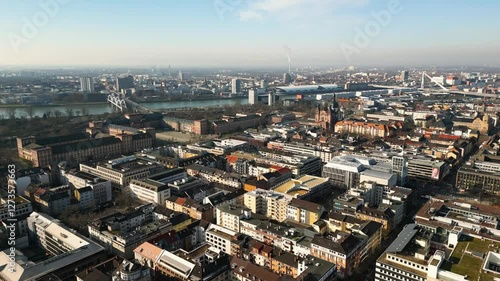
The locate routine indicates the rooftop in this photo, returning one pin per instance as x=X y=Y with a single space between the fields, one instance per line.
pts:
x=309 y=88
x=300 y=186
x=306 y=205
x=465 y=259
x=149 y=251
x=249 y=270
x=403 y=238
x=377 y=174
x=25 y=269
x=83 y=144
x=343 y=243
x=350 y=163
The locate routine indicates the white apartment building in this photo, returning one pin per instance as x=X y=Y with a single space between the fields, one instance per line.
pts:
x=229 y=216
x=68 y=252
x=268 y=203
x=325 y=152
x=220 y=237
x=101 y=189
x=122 y=170
x=149 y=191
x=155 y=188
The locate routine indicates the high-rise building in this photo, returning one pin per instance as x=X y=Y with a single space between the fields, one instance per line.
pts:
x=399 y=167
x=427 y=169
x=404 y=75
x=264 y=83
x=253 y=96
x=236 y=86
x=87 y=84
x=271 y=98
x=287 y=78
x=180 y=76
x=124 y=83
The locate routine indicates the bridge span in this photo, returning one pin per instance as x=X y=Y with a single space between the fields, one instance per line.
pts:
x=122 y=103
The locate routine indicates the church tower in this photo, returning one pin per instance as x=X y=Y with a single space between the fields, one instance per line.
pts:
x=328 y=115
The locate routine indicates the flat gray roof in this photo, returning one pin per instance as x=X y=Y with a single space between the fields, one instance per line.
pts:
x=404 y=237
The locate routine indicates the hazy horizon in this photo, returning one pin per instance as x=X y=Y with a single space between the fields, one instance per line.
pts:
x=248 y=34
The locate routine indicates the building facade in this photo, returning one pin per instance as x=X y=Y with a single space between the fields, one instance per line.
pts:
x=81 y=147
x=327 y=116
x=203 y=263
x=363 y=128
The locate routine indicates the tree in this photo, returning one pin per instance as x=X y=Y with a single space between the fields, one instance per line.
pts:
x=69 y=112
x=30 y=111
x=57 y=113
x=84 y=111
x=12 y=113
x=48 y=113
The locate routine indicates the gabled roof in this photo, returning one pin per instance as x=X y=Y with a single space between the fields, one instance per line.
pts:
x=343 y=245
x=306 y=205
x=386 y=214
x=370 y=228
x=149 y=251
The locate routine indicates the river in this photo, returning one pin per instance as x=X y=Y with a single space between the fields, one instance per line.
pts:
x=94 y=109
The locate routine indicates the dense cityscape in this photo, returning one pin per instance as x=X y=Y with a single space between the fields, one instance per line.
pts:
x=273 y=173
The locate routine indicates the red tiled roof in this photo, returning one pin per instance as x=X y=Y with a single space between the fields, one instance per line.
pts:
x=274 y=167
x=284 y=170
x=231 y=159
x=449 y=137
x=40 y=191
x=180 y=201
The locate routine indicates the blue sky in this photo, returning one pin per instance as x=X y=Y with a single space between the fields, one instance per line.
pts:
x=248 y=33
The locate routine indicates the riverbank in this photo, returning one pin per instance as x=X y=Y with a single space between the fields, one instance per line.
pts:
x=188 y=99
x=101 y=103
x=24 y=110
x=50 y=105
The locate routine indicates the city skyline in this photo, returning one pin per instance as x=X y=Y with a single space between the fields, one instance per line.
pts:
x=262 y=33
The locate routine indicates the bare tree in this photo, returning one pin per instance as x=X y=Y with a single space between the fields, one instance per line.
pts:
x=12 y=113
x=69 y=112
x=57 y=113
x=30 y=111
x=84 y=111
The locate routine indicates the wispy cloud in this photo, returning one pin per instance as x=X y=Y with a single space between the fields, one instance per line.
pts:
x=277 y=5
x=293 y=9
x=250 y=15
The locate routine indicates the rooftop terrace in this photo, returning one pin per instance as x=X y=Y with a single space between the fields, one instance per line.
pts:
x=466 y=260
